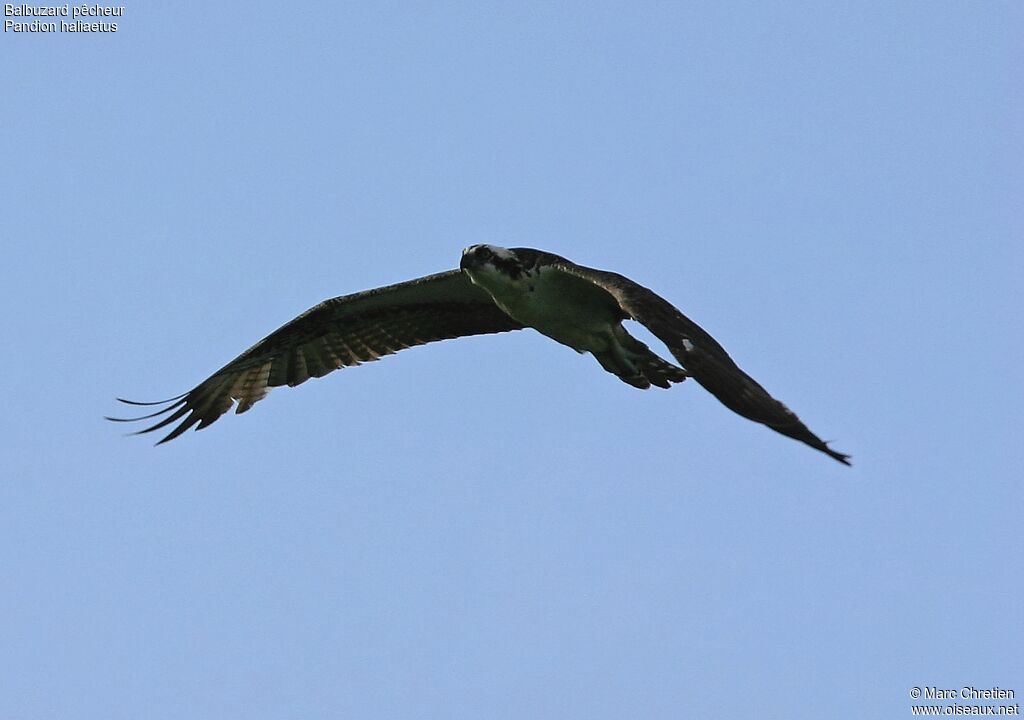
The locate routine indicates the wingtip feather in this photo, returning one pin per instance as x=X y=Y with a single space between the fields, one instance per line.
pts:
x=841 y=457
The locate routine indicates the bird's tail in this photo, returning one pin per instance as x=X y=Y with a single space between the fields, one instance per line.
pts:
x=636 y=364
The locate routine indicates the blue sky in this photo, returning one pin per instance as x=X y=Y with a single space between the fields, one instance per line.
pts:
x=494 y=527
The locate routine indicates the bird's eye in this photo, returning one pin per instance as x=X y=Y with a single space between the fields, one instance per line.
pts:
x=484 y=252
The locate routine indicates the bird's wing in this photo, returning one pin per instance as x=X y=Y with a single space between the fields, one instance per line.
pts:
x=340 y=332
x=701 y=355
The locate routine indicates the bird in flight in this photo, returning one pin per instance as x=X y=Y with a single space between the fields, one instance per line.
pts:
x=494 y=290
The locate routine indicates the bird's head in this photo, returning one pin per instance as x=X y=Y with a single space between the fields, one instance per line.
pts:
x=482 y=261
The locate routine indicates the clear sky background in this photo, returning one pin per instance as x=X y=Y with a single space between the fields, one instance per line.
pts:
x=495 y=527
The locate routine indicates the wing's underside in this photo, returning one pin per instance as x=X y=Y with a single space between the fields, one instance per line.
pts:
x=704 y=359
x=337 y=333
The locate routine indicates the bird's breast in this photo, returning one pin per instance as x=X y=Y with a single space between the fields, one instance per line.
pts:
x=550 y=307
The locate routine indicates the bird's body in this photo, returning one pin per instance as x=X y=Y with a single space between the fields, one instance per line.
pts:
x=566 y=309
x=570 y=310
x=495 y=290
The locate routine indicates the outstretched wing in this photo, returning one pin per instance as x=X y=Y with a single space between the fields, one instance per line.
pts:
x=341 y=332
x=704 y=359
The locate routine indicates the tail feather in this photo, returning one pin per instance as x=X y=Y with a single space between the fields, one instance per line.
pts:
x=636 y=364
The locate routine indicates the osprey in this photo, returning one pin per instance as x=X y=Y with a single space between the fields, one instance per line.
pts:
x=494 y=290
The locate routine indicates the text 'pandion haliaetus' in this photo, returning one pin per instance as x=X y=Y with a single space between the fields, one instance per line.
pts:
x=494 y=290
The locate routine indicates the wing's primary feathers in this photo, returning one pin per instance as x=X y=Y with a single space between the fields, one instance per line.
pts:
x=704 y=359
x=340 y=332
